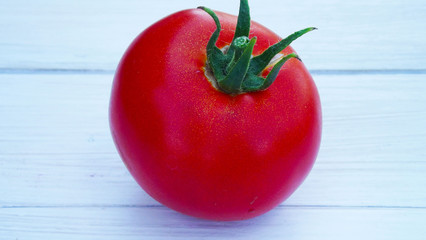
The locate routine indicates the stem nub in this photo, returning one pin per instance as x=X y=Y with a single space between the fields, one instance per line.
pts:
x=236 y=71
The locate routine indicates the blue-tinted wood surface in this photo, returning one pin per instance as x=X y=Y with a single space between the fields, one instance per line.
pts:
x=60 y=174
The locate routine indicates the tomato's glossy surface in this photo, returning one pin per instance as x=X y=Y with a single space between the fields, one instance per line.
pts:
x=198 y=150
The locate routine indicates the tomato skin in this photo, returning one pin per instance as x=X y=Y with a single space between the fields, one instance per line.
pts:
x=200 y=151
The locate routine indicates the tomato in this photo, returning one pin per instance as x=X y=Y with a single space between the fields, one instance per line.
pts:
x=202 y=151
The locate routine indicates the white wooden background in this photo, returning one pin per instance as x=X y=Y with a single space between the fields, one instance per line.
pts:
x=60 y=174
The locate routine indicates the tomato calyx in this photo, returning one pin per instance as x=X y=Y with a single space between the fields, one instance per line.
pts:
x=235 y=70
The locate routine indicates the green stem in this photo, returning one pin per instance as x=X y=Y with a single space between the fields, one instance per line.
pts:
x=215 y=56
x=272 y=75
x=242 y=31
x=232 y=83
x=259 y=63
x=243 y=22
x=236 y=71
x=238 y=46
x=254 y=83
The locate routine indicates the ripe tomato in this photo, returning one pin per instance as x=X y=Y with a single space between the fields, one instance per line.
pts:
x=201 y=151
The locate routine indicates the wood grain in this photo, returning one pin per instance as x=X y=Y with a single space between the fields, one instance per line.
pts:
x=87 y=35
x=309 y=223
x=56 y=149
x=60 y=174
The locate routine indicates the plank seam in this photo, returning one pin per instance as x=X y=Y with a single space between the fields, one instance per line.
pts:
x=161 y=206
x=109 y=71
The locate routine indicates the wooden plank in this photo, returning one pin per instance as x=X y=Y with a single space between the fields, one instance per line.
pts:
x=56 y=149
x=81 y=34
x=162 y=223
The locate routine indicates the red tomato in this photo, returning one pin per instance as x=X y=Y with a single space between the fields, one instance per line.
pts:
x=198 y=150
